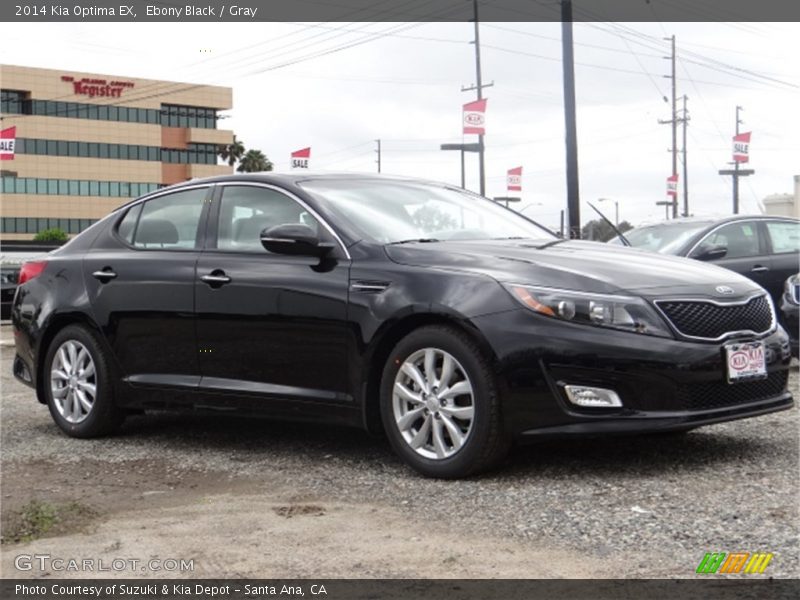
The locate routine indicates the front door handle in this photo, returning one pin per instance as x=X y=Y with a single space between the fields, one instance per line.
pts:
x=759 y=269
x=105 y=275
x=216 y=278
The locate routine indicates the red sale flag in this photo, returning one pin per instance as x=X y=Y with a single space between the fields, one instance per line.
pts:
x=8 y=138
x=672 y=186
x=300 y=158
x=741 y=147
x=514 y=180
x=475 y=117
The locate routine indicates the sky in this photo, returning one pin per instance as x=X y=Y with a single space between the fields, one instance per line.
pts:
x=338 y=87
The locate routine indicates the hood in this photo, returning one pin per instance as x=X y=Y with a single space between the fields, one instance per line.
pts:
x=577 y=265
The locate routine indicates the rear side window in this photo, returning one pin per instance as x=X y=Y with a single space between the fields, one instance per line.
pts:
x=785 y=236
x=169 y=222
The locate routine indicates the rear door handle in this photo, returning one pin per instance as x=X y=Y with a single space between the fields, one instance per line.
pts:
x=216 y=278
x=105 y=275
x=759 y=269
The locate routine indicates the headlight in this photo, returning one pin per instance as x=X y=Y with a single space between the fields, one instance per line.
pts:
x=792 y=289
x=626 y=313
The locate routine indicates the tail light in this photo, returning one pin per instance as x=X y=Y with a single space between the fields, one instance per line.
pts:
x=31 y=270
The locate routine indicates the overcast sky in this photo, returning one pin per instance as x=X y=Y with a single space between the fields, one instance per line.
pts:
x=298 y=85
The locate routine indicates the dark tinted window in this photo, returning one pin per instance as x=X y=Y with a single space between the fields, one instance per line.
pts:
x=741 y=239
x=170 y=221
x=246 y=211
x=128 y=224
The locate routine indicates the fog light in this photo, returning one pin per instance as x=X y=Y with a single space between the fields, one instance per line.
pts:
x=592 y=396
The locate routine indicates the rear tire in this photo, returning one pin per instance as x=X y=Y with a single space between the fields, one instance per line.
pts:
x=77 y=385
x=440 y=406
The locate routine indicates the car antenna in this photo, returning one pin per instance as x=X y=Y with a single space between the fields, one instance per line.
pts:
x=621 y=237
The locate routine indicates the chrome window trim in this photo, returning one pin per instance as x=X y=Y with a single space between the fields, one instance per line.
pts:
x=762 y=219
x=773 y=323
x=716 y=227
x=126 y=208
x=297 y=199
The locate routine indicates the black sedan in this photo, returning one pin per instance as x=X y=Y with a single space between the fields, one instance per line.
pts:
x=790 y=311
x=764 y=248
x=451 y=324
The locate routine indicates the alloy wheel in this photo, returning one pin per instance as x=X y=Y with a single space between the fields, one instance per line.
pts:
x=433 y=403
x=73 y=381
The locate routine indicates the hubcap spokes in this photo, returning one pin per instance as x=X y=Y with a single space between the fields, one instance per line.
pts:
x=73 y=381
x=433 y=403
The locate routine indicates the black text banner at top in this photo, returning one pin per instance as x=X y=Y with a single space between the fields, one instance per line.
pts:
x=399 y=11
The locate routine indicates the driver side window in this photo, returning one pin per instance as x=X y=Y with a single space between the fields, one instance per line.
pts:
x=740 y=239
x=245 y=211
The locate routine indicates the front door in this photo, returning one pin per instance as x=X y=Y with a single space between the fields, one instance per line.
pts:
x=268 y=324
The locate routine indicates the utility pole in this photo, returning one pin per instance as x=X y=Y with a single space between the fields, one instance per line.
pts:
x=736 y=172
x=568 y=67
x=673 y=121
x=479 y=88
x=378 y=151
x=685 y=122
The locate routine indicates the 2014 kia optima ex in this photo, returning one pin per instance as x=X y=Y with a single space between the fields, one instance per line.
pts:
x=452 y=324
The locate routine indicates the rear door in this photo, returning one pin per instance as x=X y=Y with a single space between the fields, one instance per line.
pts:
x=140 y=280
x=268 y=324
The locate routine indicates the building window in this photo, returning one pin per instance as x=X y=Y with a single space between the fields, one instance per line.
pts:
x=195 y=154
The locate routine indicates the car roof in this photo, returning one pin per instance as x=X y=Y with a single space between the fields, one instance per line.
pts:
x=713 y=220
x=295 y=177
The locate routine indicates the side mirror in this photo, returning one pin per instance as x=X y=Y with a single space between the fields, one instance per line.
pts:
x=711 y=253
x=295 y=239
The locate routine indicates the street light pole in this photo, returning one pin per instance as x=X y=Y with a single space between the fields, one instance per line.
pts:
x=616 y=209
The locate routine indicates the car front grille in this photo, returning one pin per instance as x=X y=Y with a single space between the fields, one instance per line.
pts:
x=720 y=394
x=707 y=320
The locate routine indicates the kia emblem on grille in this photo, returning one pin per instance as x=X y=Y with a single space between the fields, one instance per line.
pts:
x=724 y=289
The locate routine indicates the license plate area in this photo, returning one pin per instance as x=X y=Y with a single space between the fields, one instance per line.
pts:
x=745 y=362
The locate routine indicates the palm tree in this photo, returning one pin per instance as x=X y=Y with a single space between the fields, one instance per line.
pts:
x=232 y=152
x=254 y=161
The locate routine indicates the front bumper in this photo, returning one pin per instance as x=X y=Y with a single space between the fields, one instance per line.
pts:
x=664 y=384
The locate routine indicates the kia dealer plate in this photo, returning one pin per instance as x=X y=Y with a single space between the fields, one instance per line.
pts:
x=746 y=361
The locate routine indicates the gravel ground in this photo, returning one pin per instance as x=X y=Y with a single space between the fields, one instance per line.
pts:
x=635 y=507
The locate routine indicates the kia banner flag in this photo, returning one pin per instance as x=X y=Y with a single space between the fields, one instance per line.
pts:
x=8 y=138
x=514 y=180
x=741 y=147
x=300 y=158
x=475 y=117
x=672 y=186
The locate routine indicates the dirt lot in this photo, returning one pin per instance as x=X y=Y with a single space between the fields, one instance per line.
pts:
x=245 y=498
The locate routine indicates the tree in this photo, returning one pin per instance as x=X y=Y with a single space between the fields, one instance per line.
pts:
x=430 y=219
x=233 y=152
x=253 y=162
x=601 y=231
x=54 y=235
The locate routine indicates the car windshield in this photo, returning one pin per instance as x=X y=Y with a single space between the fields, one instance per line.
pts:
x=664 y=238
x=397 y=211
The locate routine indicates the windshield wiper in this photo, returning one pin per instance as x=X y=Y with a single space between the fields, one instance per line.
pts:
x=414 y=240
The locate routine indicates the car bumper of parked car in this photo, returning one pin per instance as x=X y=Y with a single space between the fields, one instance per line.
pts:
x=663 y=384
x=790 y=313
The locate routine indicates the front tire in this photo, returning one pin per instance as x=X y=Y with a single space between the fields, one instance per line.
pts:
x=77 y=385
x=440 y=406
